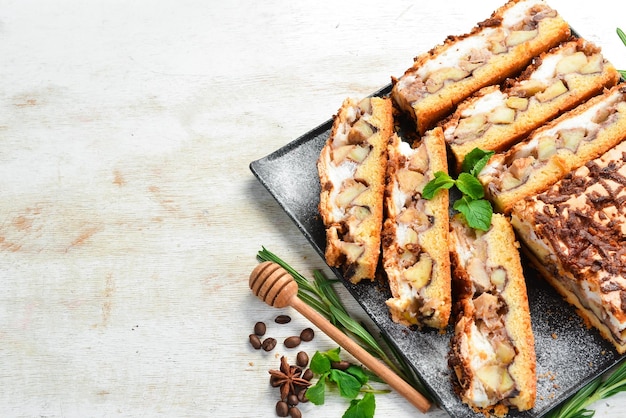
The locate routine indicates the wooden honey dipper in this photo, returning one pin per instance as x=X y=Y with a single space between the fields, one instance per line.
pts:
x=276 y=287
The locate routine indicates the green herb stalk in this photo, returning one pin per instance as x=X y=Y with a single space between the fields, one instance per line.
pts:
x=622 y=36
x=597 y=389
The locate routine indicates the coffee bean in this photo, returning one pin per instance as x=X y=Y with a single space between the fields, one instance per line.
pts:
x=282 y=319
x=269 y=344
x=255 y=341
x=302 y=395
x=294 y=412
x=307 y=334
x=292 y=342
x=275 y=381
x=307 y=375
x=282 y=409
x=292 y=400
x=302 y=359
x=340 y=365
x=260 y=328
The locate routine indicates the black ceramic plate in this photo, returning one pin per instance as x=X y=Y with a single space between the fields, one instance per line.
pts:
x=568 y=354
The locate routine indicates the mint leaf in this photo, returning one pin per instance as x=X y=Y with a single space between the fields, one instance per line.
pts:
x=441 y=181
x=470 y=186
x=320 y=363
x=359 y=373
x=477 y=212
x=475 y=161
x=315 y=393
x=361 y=408
x=348 y=385
x=333 y=355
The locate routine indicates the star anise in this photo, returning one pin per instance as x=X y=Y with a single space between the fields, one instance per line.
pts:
x=288 y=378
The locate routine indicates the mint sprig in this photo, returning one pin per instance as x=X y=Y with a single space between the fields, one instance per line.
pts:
x=472 y=205
x=350 y=383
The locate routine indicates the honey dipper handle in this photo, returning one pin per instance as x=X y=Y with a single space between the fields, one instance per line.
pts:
x=369 y=361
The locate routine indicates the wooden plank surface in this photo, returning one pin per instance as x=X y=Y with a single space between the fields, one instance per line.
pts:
x=129 y=219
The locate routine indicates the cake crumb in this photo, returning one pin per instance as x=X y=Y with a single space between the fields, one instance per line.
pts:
x=548 y=375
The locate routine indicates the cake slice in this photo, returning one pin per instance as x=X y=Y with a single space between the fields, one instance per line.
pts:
x=575 y=234
x=492 y=351
x=351 y=169
x=415 y=234
x=552 y=151
x=497 y=48
x=496 y=117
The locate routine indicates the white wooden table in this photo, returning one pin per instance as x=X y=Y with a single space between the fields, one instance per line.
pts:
x=129 y=219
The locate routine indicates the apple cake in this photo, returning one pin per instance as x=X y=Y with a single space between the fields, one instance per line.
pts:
x=351 y=169
x=415 y=233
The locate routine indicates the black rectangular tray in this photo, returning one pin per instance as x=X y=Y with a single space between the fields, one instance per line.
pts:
x=569 y=355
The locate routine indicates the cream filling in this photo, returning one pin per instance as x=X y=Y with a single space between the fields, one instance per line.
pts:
x=407 y=292
x=406 y=81
x=337 y=175
x=518 y=12
x=481 y=353
x=585 y=119
x=451 y=57
x=399 y=197
x=402 y=232
x=530 y=238
x=485 y=104
x=547 y=70
x=597 y=301
x=341 y=134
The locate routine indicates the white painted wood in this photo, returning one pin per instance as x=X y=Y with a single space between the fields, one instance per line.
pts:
x=129 y=220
